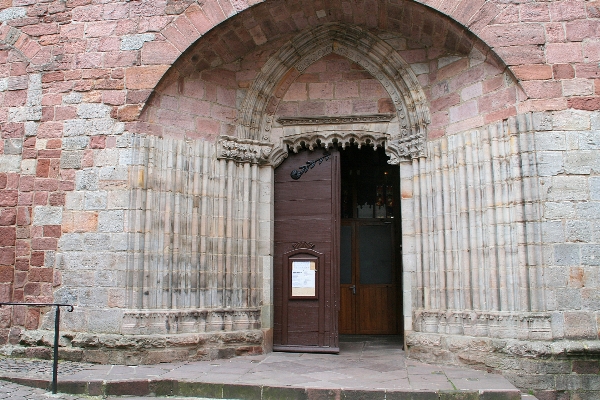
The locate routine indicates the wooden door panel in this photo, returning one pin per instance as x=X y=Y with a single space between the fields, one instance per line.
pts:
x=307 y=211
x=376 y=314
x=287 y=190
x=373 y=309
x=346 y=310
x=303 y=338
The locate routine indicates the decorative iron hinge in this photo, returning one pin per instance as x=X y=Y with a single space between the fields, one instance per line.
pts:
x=297 y=173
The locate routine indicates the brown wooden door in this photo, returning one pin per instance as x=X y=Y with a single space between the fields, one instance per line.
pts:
x=368 y=290
x=307 y=246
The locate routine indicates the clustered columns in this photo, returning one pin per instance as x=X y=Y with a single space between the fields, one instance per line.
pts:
x=471 y=251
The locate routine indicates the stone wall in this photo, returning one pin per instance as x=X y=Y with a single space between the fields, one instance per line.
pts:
x=121 y=119
x=550 y=342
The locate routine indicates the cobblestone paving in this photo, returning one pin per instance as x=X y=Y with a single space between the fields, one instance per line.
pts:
x=13 y=391
x=38 y=368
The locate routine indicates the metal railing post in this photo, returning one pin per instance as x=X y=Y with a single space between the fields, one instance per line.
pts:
x=56 y=334
x=55 y=360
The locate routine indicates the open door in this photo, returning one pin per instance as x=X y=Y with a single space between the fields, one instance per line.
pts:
x=306 y=256
x=369 y=252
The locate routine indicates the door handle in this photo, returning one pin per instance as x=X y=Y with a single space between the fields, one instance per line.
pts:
x=353 y=288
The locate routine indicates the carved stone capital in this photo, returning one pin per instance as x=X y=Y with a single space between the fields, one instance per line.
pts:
x=406 y=148
x=243 y=150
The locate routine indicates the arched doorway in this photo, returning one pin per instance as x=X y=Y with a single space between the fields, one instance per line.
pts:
x=336 y=252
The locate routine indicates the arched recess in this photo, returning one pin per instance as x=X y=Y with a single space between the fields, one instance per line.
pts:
x=444 y=216
x=405 y=139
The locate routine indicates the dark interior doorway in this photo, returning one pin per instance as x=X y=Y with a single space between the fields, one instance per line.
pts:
x=370 y=250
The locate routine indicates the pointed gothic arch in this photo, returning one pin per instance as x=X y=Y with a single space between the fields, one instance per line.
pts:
x=404 y=140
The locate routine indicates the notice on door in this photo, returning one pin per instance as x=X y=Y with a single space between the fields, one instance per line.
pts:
x=304 y=279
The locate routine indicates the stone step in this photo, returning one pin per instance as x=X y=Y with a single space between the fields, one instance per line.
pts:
x=168 y=387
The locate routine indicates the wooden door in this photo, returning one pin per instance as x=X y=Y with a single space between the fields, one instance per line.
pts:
x=369 y=254
x=368 y=292
x=307 y=246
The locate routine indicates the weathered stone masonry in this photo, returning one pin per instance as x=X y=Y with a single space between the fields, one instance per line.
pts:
x=139 y=140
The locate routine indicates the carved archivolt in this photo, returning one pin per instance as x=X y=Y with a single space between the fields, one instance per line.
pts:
x=373 y=54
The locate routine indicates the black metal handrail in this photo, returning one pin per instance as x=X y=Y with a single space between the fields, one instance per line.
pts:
x=56 y=330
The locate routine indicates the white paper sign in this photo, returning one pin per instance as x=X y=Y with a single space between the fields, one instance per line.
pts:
x=303 y=278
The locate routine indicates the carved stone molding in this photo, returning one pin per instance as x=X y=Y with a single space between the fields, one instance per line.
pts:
x=342 y=119
x=243 y=150
x=312 y=137
x=326 y=139
x=495 y=324
x=190 y=321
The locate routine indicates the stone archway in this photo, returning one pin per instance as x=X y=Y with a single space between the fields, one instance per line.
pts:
x=405 y=138
x=466 y=257
x=261 y=138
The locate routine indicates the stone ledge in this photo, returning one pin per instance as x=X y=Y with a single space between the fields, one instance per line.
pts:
x=138 y=349
x=528 y=364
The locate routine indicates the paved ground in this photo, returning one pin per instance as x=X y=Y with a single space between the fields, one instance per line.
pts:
x=13 y=391
x=372 y=364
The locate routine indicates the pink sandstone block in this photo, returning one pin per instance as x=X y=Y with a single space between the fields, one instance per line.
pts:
x=542 y=89
x=227 y=8
x=533 y=71
x=484 y=16
x=198 y=18
x=159 y=53
x=591 y=50
x=208 y=126
x=557 y=53
x=338 y=107
x=41 y=29
x=344 y=90
x=567 y=10
x=462 y=126
x=445 y=102
x=318 y=91
x=213 y=12
x=513 y=34
x=463 y=111
x=539 y=12
x=466 y=9
x=87 y=13
x=496 y=100
x=517 y=55
x=177 y=38
x=100 y=28
x=582 y=29
x=145 y=77
x=296 y=92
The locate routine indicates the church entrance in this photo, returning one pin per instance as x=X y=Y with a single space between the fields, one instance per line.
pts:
x=336 y=252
